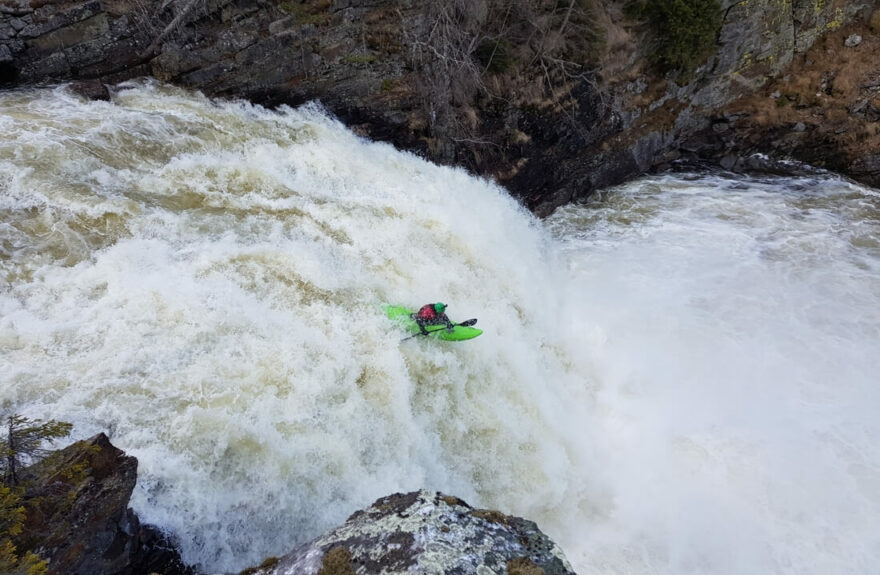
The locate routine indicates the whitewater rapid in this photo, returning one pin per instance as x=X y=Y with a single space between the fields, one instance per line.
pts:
x=734 y=330
x=677 y=377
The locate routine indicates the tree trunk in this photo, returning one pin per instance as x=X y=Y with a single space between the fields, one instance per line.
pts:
x=11 y=477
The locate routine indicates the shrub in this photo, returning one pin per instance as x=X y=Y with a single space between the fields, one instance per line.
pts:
x=12 y=516
x=23 y=441
x=683 y=32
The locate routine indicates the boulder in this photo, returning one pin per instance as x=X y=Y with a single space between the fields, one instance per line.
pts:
x=425 y=532
x=77 y=515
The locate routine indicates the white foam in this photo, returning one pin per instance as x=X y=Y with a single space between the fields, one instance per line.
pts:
x=231 y=335
x=737 y=359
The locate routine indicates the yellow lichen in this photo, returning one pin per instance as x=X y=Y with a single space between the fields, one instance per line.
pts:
x=837 y=21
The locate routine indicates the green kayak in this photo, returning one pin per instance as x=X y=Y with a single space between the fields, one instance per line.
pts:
x=404 y=317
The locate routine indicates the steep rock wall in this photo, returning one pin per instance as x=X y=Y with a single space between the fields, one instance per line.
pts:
x=558 y=119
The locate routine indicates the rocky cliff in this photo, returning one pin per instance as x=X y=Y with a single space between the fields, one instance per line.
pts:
x=77 y=515
x=553 y=99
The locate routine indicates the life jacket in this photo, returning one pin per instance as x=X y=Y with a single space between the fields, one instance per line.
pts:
x=427 y=312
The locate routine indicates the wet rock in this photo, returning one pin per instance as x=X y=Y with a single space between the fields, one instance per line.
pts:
x=799 y=127
x=867 y=168
x=77 y=515
x=426 y=532
x=91 y=89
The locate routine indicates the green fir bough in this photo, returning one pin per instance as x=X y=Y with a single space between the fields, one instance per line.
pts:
x=683 y=32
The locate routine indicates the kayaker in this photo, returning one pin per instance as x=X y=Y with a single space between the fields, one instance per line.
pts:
x=432 y=314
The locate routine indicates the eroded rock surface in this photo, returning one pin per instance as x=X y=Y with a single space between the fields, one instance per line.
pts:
x=429 y=533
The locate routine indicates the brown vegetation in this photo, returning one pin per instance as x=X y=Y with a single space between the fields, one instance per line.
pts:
x=829 y=90
x=522 y=52
x=337 y=561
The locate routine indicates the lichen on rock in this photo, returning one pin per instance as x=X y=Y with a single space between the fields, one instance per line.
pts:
x=431 y=533
x=78 y=519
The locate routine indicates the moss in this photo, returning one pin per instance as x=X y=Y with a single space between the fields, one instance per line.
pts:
x=683 y=32
x=337 y=561
x=387 y=85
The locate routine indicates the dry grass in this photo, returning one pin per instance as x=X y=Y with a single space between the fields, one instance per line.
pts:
x=822 y=87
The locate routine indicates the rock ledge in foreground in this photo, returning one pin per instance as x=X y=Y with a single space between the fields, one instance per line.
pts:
x=426 y=532
x=77 y=515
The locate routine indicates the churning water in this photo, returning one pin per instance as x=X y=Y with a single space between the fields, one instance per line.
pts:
x=679 y=376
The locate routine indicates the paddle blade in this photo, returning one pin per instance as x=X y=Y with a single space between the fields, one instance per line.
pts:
x=468 y=323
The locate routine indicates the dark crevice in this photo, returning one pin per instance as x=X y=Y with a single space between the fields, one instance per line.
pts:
x=8 y=73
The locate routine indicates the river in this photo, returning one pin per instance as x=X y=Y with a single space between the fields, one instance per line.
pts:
x=678 y=376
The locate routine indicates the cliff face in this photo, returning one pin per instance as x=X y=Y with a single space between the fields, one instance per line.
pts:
x=552 y=99
x=790 y=80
